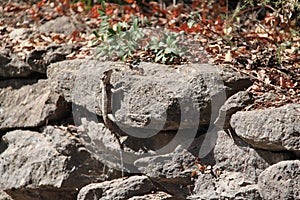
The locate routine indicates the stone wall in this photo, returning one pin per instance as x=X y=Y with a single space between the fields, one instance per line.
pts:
x=174 y=133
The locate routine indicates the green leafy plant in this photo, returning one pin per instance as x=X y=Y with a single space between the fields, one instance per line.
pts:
x=119 y=40
x=166 y=49
x=123 y=39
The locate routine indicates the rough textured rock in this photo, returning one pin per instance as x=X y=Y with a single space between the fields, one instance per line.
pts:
x=20 y=33
x=156 y=196
x=78 y=81
x=168 y=165
x=105 y=146
x=123 y=188
x=274 y=129
x=101 y=142
x=156 y=101
x=13 y=67
x=30 y=106
x=171 y=171
x=233 y=154
x=47 y=165
x=233 y=104
x=230 y=185
x=162 y=97
x=64 y=24
x=281 y=181
x=38 y=60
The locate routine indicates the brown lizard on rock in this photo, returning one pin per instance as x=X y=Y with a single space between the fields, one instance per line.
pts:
x=106 y=108
x=106 y=103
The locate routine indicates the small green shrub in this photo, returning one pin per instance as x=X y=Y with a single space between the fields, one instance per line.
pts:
x=123 y=39
x=166 y=49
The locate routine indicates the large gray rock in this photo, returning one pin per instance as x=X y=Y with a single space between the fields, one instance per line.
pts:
x=105 y=146
x=164 y=98
x=272 y=129
x=168 y=165
x=230 y=185
x=204 y=188
x=48 y=165
x=78 y=81
x=154 y=96
x=172 y=170
x=281 y=181
x=64 y=24
x=30 y=106
x=233 y=154
x=123 y=188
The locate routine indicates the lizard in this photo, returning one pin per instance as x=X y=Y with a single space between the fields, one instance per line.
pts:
x=106 y=103
x=106 y=108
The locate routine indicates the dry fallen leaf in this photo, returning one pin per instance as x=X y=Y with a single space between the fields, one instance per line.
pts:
x=228 y=57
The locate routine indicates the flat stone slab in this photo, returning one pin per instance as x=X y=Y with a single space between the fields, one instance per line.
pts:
x=171 y=170
x=251 y=161
x=29 y=105
x=271 y=129
x=123 y=188
x=151 y=96
x=47 y=165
